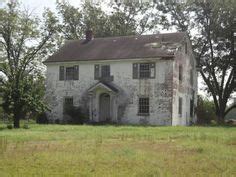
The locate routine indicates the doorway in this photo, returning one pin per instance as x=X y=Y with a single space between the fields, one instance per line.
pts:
x=104 y=108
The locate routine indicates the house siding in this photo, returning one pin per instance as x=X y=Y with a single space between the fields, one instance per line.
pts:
x=158 y=89
x=184 y=89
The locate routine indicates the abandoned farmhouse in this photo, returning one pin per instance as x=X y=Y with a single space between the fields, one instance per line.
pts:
x=143 y=79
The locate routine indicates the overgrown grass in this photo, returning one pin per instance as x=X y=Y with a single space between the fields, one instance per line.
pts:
x=74 y=151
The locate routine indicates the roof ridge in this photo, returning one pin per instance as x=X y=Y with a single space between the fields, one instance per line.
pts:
x=130 y=36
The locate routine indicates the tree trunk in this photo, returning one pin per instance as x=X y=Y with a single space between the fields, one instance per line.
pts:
x=220 y=117
x=16 y=119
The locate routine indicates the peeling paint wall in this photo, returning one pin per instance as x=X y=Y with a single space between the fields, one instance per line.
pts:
x=159 y=90
x=184 y=89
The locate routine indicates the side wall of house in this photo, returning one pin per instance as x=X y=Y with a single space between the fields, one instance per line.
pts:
x=185 y=89
x=159 y=90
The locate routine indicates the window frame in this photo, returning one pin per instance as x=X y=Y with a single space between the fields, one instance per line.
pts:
x=180 y=107
x=71 y=72
x=74 y=73
x=98 y=71
x=180 y=73
x=65 y=102
x=143 y=109
x=140 y=71
x=106 y=70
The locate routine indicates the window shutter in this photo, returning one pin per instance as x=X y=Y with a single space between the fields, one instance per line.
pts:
x=135 y=70
x=61 y=73
x=76 y=72
x=96 y=72
x=152 y=70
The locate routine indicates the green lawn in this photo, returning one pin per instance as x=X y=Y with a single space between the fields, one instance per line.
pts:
x=76 y=151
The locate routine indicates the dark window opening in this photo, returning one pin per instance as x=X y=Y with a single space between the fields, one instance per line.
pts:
x=144 y=70
x=61 y=73
x=105 y=71
x=143 y=106
x=180 y=73
x=191 y=107
x=68 y=104
x=69 y=73
x=180 y=106
x=186 y=48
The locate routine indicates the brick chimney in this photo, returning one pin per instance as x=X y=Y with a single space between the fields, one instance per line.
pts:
x=89 y=35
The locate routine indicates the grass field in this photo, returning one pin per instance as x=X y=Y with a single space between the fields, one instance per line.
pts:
x=76 y=151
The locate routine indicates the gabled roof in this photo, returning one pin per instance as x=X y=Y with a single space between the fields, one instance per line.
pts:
x=104 y=85
x=123 y=47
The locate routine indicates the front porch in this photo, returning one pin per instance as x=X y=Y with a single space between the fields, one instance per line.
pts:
x=103 y=103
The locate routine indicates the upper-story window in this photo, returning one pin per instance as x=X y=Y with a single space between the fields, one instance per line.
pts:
x=143 y=70
x=69 y=73
x=186 y=48
x=102 y=72
x=105 y=70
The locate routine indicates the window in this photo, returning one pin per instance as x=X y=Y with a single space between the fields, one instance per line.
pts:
x=101 y=72
x=186 y=47
x=143 y=106
x=143 y=70
x=180 y=106
x=69 y=73
x=105 y=71
x=61 y=73
x=234 y=46
x=68 y=104
x=191 y=107
x=180 y=73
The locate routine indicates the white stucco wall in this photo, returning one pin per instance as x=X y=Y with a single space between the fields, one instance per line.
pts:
x=184 y=88
x=159 y=89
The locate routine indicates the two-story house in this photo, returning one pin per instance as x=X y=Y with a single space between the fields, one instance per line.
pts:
x=143 y=79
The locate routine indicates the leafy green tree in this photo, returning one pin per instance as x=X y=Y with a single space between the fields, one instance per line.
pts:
x=125 y=19
x=209 y=25
x=24 y=42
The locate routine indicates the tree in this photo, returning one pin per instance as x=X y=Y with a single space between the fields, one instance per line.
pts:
x=205 y=110
x=124 y=19
x=24 y=42
x=209 y=25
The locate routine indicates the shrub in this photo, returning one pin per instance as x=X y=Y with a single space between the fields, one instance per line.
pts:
x=77 y=115
x=9 y=126
x=42 y=118
x=205 y=111
x=26 y=126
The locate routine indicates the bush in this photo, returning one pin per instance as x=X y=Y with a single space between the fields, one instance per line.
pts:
x=42 y=118
x=205 y=111
x=77 y=115
x=26 y=126
x=10 y=126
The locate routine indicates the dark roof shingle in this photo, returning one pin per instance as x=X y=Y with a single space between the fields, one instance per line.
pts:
x=123 y=47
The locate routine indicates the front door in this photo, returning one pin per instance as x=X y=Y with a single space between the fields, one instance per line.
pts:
x=104 y=108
